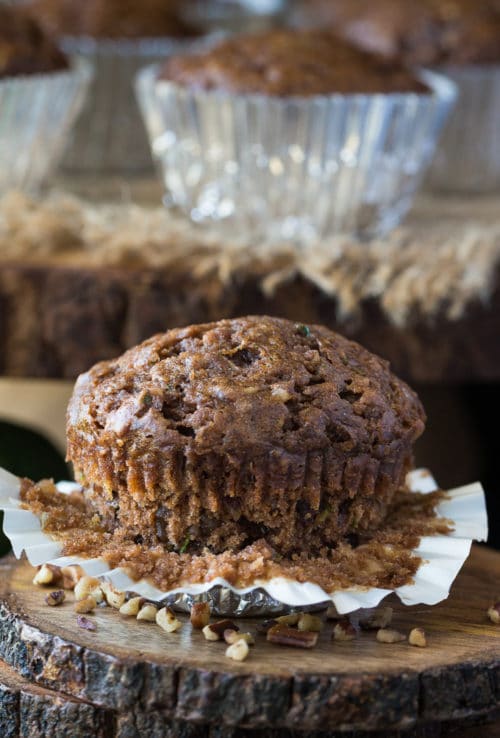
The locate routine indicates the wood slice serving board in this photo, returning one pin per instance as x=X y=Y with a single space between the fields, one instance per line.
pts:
x=149 y=679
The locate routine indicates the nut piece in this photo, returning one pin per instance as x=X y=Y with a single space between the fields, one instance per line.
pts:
x=132 y=606
x=285 y=636
x=310 y=622
x=375 y=619
x=148 y=612
x=85 y=623
x=291 y=619
x=166 y=619
x=231 y=636
x=388 y=635
x=344 y=630
x=494 y=613
x=55 y=598
x=238 y=651
x=86 y=605
x=215 y=631
x=417 y=638
x=89 y=587
x=200 y=615
x=71 y=575
x=113 y=596
x=48 y=574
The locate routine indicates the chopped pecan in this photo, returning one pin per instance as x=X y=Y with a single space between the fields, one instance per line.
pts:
x=131 y=607
x=238 y=651
x=114 y=597
x=89 y=587
x=55 y=598
x=71 y=575
x=310 y=622
x=417 y=638
x=48 y=574
x=344 y=630
x=148 y=612
x=86 y=605
x=291 y=619
x=231 y=636
x=388 y=635
x=200 y=615
x=218 y=629
x=167 y=620
x=494 y=613
x=286 y=636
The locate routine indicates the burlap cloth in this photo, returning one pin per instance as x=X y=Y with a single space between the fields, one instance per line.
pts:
x=443 y=257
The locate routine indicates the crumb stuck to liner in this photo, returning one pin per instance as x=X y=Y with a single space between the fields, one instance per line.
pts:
x=438 y=560
x=38 y=112
x=292 y=168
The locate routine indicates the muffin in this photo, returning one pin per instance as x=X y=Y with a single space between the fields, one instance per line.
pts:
x=286 y=63
x=224 y=434
x=118 y=37
x=291 y=135
x=111 y=18
x=25 y=48
x=460 y=39
x=429 y=33
x=41 y=93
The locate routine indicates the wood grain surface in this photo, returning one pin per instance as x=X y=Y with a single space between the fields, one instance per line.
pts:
x=361 y=685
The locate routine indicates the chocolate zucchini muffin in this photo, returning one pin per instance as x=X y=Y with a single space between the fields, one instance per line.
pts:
x=213 y=437
x=427 y=32
x=24 y=47
x=289 y=63
x=111 y=18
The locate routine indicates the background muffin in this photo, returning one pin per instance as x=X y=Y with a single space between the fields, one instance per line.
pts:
x=118 y=37
x=25 y=48
x=111 y=18
x=41 y=93
x=226 y=433
x=460 y=38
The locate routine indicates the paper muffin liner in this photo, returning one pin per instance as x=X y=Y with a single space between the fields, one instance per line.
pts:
x=292 y=168
x=442 y=558
x=468 y=158
x=109 y=134
x=36 y=115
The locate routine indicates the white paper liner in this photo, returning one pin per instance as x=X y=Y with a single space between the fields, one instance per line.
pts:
x=292 y=168
x=442 y=555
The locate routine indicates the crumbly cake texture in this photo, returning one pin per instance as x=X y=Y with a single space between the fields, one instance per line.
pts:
x=24 y=48
x=289 y=63
x=215 y=436
x=382 y=558
x=111 y=18
x=427 y=32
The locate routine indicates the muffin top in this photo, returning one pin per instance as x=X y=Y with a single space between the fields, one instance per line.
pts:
x=245 y=386
x=111 y=18
x=24 y=47
x=289 y=63
x=427 y=32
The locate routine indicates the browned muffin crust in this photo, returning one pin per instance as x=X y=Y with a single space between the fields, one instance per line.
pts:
x=383 y=558
x=289 y=63
x=24 y=47
x=111 y=18
x=218 y=435
x=427 y=32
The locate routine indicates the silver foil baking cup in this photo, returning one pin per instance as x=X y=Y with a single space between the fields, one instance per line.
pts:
x=442 y=558
x=109 y=135
x=468 y=159
x=36 y=115
x=235 y=15
x=292 y=168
